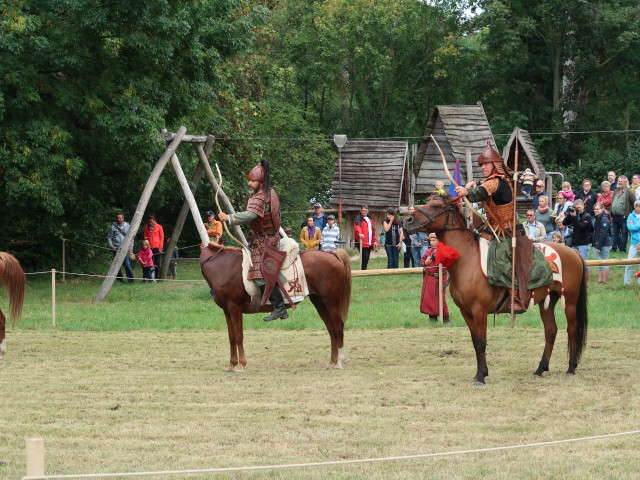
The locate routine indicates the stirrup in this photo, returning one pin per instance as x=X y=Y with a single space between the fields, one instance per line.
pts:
x=517 y=304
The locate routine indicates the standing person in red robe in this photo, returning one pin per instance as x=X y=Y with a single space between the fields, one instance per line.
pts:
x=436 y=254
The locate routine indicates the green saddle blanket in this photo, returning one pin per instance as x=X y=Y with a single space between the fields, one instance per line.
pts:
x=499 y=266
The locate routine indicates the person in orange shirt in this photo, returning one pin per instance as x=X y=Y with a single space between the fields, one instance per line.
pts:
x=214 y=227
x=154 y=232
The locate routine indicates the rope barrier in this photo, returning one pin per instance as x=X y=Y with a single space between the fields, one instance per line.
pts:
x=330 y=463
x=421 y=137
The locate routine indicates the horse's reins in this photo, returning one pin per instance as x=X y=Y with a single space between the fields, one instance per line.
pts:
x=215 y=254
x=430 y=218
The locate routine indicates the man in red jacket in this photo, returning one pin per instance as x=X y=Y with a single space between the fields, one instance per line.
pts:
x=365 y=234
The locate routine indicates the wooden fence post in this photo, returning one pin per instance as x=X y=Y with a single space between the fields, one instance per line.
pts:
x=440 y=295
x=53 y=297
x=35 y=457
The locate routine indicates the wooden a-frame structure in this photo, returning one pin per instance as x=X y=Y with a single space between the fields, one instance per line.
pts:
x=202 y=146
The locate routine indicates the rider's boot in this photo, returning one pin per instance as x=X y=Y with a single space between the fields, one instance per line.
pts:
x=278 y=306
x=517 y=304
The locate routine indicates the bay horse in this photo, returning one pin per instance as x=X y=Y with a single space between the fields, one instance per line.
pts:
x=472 y=293
x=328 y=276
x=14 y=281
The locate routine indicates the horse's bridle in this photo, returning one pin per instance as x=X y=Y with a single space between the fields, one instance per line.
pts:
x=215 y=254
x=446 y=211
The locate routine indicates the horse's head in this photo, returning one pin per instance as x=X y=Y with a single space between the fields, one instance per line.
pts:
x=437 y=215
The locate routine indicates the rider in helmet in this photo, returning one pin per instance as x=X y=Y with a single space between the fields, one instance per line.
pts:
x=497 y=196
x=263 y=217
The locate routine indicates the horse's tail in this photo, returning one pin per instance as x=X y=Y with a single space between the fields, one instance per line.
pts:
x=14 y=280
x=345 y=297
x=582 y=316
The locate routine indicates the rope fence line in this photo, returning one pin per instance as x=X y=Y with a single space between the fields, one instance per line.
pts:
x=35 y=460
x=421 y=137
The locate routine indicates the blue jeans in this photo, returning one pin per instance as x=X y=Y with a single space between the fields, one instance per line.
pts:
x=619 y=232
x=127 y=268
x=584 y=251
x=408 y=258
x=603 y=255
x=633 y=253
x=393 y=254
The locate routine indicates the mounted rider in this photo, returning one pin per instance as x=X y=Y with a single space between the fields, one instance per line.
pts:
x=496 y=193
x=263 y=217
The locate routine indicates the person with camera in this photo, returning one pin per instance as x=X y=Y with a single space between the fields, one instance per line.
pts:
x=582 y=225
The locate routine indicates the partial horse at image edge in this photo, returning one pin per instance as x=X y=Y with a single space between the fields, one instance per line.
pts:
x=475 y=297
x=13 y=278
x=328 y=276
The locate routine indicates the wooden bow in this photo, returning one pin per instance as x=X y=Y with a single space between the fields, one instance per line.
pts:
x=220 y=209
x=464 y=199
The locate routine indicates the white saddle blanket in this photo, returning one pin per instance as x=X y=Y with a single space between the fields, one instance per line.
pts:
x=550 y=254
x=295 y=284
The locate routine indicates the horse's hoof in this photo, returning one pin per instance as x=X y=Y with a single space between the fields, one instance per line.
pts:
x=230 y=369
x=570 y=374
x=335 y=366
x=238 y=370
x=478 y=383
x=537 y=375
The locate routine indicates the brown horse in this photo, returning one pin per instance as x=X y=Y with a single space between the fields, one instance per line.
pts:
x=328 y=277
x=476 y=298
x=14 y=281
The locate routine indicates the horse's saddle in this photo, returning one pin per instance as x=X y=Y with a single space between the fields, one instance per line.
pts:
x=291 y=276
x=496 y=265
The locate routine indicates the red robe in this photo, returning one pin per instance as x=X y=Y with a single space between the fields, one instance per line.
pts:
x=429 y=298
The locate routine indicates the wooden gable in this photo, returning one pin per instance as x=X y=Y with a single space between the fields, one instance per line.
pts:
x=375 y=173
x=527 y=154
x=462 y=132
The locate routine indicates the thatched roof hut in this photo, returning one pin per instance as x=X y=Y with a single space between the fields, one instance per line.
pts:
x=375 y=173
x=462 y=132
x=527 y=154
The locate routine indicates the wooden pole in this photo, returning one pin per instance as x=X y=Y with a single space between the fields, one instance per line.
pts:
x=440 y=295
x=182 y=216
x=53 y=297
x=136 y=221
x=188 y=195
x=417 y=270
x=513 y=233
x=35 y=457
x=223 y=196
x=467 y=158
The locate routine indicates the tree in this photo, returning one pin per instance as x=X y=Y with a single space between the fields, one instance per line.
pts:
x=86 y=86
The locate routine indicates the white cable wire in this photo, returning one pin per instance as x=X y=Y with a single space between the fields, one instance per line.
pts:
x=323 y=464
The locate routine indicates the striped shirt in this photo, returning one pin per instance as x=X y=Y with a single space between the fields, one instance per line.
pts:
x=329 y=236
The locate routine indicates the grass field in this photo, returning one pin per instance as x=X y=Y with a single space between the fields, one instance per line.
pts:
x=136 y=383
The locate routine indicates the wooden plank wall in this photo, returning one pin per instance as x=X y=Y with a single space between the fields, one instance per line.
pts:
x=372 y=174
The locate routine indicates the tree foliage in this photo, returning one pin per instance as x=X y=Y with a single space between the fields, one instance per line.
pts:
x=85 y=87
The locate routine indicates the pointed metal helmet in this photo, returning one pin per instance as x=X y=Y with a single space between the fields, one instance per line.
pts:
x=257 y=173
x=490 y=155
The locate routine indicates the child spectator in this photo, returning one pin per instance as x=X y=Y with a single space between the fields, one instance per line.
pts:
x=440 y=189
x=567 y=192
x=556 y=237
x=527 y=179
x=145 y=257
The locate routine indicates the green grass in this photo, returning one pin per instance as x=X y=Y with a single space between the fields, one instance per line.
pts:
x=107 y=399
x=377 y=303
